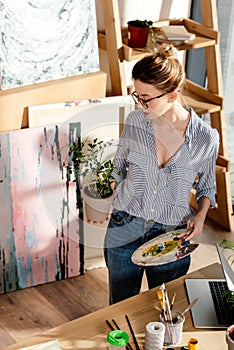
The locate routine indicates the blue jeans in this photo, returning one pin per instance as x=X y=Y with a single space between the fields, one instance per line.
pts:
x=125 y=233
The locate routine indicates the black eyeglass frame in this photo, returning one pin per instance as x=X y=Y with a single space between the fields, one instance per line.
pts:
x=142 y=101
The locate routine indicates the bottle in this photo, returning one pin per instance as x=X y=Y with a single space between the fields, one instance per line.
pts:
x=117 y=339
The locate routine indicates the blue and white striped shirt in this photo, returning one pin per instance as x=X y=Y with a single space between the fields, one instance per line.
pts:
x=163 y=194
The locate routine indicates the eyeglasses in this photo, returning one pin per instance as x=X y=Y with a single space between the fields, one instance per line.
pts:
x=142 y=101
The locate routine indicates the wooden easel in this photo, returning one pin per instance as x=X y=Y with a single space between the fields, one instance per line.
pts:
x=202 y=100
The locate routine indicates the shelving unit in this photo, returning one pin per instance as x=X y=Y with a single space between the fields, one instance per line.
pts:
x=115 y=42
x=204 y=37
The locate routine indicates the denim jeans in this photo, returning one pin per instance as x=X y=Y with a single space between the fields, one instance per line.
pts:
x=125 y=233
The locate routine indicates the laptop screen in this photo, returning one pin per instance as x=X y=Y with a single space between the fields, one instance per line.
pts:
x=211 y=310
x=227 y=270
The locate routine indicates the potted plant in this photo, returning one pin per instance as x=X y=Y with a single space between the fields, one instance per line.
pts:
x=138 y=31
x=86 y=160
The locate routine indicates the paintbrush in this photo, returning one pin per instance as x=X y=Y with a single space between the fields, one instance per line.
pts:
x=173 y=301
x=132 y=333
x=161 y=301
x=166 y=304
x=178 y=317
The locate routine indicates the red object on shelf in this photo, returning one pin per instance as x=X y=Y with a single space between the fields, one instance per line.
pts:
x=137 y=37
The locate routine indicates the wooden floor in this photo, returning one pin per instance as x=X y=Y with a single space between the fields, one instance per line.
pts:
x=30 y=311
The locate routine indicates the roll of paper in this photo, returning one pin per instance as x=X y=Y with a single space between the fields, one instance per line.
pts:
x=154 y=336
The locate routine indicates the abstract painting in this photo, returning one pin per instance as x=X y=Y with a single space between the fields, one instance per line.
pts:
x=46 y=40
x=41 y=211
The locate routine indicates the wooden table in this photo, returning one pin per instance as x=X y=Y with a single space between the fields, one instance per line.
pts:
x=89 y=332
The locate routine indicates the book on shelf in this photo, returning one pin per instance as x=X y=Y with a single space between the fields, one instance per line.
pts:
x=177 y=33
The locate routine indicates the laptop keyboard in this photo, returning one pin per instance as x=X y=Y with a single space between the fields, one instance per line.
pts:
x=222 y=311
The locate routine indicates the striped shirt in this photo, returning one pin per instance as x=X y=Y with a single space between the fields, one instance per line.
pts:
x=162 y=194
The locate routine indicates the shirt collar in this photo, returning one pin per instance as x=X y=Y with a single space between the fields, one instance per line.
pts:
x=191 y=129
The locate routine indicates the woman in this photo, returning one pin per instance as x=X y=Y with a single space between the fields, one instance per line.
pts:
x=165 y=150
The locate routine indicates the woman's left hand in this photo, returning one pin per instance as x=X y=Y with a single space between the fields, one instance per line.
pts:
x=196 y=224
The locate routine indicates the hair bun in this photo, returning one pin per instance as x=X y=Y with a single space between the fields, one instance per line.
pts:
x=167 y=51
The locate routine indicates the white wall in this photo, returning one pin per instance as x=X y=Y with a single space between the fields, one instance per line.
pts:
x=148 y=9
x=153 y=10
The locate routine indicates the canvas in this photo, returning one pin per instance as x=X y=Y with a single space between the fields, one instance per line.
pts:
x=46 y=40
x=40 y=230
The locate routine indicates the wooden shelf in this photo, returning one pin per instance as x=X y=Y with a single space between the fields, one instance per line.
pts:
x=205 y=37
x=201 y=100
x=191 y=26
x=202 y=32
x=200 y=105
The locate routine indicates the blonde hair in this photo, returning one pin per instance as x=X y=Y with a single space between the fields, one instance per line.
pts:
x=163 y=69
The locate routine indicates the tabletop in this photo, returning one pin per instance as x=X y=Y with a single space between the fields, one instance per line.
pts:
x=90 y=331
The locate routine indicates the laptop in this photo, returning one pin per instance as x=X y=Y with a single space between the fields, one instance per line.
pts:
x=207 y=312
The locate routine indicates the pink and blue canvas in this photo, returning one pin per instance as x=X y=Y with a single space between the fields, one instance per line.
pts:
x=40 y=229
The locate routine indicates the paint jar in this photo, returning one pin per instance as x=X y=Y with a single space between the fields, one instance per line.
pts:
x=173 y=331
x=117 y=340
x=193 y=344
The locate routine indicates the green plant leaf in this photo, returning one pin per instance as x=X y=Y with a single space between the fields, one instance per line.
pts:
x=227 y=244
x=140 y=23
x=86 y=158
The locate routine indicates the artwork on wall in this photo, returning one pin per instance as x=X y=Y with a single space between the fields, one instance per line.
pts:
x=46 y=40
x=41 y=225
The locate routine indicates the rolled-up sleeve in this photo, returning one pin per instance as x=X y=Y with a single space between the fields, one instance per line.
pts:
x=206 y=185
